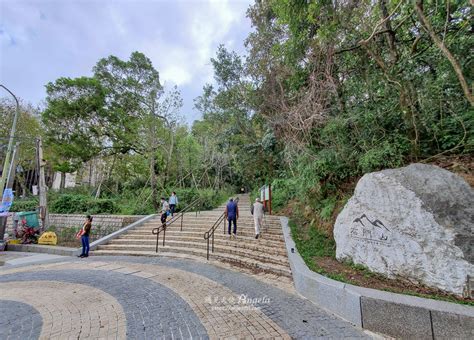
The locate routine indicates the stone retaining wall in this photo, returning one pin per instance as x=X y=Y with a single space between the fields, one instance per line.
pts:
x=76 y=220
x=119 y=221
x=396 y=315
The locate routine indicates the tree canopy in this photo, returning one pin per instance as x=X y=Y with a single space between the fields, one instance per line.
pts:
x=327 y=91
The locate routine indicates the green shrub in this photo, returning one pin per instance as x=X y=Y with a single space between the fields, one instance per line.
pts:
x=385 y=155
x=140 y=209
x=283 y=190
x=102 y=206
x=24 y=205
x=81 y=204
x=69 y=204
x=327 y=208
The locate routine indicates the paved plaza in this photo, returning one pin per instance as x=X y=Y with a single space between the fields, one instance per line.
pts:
x=154 y=298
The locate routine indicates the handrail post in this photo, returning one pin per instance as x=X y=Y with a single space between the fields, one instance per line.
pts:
x=208 y=248
x=182 y=215
x=213 y=242
x=223 y=222
x=164 y=234
x=157 y=240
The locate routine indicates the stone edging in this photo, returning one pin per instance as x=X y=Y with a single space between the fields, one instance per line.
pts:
x=388 y=313
x=44 y=249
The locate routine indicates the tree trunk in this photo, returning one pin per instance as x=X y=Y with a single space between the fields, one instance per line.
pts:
x=62 y=184
x=390 y=35
x=90 y=173
x=169 y=156
x=154 y=194
x=152 y=149
x=42 y=188
x=440 y=44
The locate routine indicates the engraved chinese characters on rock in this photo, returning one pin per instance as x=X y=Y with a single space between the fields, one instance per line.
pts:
x=370 y=231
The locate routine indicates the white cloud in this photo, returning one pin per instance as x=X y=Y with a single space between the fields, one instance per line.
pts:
x=43 y=40
x=176 y=75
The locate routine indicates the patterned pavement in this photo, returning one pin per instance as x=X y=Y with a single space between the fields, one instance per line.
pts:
x=154 y=298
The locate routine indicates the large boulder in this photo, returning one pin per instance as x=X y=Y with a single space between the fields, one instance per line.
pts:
x=415 y=223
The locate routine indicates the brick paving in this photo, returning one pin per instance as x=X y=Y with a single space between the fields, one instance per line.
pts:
x=19 y=321
x=155 y=298
x=68 y=310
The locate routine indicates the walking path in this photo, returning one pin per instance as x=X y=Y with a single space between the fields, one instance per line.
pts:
x=153 y=298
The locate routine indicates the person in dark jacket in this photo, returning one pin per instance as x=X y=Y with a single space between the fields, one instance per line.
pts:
x=232 y=215
x=86 y=229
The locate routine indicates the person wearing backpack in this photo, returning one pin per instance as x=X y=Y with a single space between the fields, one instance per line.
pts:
x=164 y=210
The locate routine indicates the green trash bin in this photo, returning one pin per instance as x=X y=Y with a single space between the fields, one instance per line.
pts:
x=31 y=218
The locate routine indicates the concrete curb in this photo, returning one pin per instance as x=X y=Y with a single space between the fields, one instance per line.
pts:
x=396 y=315
x=94 y=245
x=44 y=249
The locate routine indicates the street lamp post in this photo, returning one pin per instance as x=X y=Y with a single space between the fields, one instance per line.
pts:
x=6 y=164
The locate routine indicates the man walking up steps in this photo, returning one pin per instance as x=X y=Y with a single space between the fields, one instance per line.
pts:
x=257 y=212
x=232 y=215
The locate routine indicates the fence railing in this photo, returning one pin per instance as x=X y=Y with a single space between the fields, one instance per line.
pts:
x=209 y=235
x=180 y=216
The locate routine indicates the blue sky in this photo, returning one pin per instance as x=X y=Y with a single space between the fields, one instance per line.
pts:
x=41 y=40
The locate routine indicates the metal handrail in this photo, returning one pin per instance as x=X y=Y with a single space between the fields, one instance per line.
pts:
x=156 y=231
x=210 y=233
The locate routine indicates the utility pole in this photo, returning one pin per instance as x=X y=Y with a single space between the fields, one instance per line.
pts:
x=44 y=216
x=9 y=184
x=12 y=169
x=6 y=165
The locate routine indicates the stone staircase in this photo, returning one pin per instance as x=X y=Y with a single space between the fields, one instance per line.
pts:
x=267 y=254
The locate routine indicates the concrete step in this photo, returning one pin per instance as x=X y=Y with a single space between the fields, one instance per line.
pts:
x=251 y=244
x=210 y=221
x=246 y=233
x=242 y=230
x=235 y=260
x=265 y=254
x=199 y=248
x=264 y=240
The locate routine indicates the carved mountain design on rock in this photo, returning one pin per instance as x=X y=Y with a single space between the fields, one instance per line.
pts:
x=368 y=229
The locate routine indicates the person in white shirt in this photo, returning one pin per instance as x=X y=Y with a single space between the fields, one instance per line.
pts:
x=257 y=212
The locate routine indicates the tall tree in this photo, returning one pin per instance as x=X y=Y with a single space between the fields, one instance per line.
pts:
x=135 y=107
x=75 y=122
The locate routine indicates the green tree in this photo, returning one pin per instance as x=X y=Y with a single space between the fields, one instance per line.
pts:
x=74 y=121
x=137 y=109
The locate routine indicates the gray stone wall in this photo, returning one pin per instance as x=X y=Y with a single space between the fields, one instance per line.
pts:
x=70 y=220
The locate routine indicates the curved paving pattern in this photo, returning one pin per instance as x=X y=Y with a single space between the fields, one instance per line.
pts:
x=170 y=298
x=69 y=310
x=19 y=321
x=299 y=317
x=150 y=310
